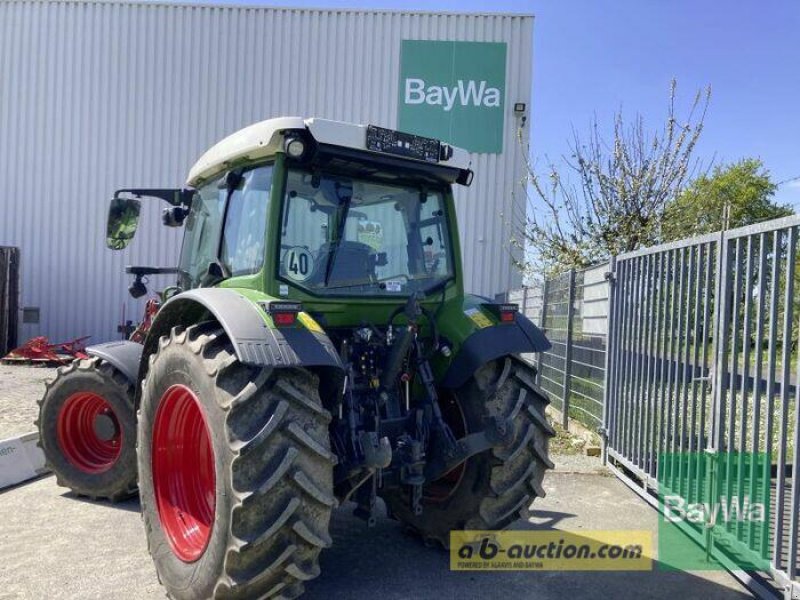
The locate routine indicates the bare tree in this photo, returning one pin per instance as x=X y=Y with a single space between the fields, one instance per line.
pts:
x=607 y=197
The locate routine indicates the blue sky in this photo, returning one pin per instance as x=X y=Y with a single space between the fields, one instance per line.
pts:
x=593 y=57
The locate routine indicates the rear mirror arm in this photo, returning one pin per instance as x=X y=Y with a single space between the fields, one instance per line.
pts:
x=175 y=197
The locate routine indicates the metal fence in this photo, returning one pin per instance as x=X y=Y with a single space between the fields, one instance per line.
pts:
x=703 y=362
x=690 y=349
x=9 y=298
x=572 y=309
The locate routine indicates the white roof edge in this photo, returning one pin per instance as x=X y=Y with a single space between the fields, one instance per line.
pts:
x=263 y=139
x=254 y=141
x=317 y=9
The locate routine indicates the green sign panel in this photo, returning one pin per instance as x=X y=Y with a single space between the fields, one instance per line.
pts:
x=715 y=506
x=454 y=91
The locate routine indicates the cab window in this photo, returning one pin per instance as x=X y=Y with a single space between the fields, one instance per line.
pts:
x=347 y=235
x=246 y=223
x=226 y=227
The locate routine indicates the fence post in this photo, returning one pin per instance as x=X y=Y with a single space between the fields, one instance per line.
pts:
x=722 y=305
x=543 y=316
x=610 y=341
x=568 y=352
x=722 y=323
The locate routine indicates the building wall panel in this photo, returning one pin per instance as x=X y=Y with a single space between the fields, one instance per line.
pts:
x=97 y=95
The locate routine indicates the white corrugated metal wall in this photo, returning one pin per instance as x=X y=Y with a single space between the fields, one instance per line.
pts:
x=100 y=95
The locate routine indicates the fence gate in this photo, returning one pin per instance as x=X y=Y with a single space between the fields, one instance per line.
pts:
x=703 y=361
x=9 y=297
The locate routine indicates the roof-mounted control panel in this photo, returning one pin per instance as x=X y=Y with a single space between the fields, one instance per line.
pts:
x=389 y=141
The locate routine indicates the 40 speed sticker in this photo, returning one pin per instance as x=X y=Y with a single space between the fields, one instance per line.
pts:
x=551 y=551
x=298 y=263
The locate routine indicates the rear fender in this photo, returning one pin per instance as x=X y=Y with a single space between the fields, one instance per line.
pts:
x=125 y=356
x=256 y=340
x=485 y=339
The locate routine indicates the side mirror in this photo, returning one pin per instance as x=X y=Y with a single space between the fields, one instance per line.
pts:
x=123 y=218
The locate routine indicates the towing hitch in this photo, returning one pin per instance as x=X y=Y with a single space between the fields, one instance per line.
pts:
x=498 y=431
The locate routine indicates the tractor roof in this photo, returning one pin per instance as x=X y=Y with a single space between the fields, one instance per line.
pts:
x=265 y=138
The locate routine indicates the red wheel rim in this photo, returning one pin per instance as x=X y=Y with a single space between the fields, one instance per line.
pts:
x=184 y=478
x=77 y=435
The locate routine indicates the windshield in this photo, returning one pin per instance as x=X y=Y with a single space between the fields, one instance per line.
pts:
x=342 y=235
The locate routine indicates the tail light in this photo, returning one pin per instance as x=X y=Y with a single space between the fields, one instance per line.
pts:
x=507 y=316
x=505 y=313
x=284 y=314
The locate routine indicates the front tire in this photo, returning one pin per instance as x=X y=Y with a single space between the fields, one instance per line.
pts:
x=490 y=490
x=236 y=472
x=87 y=430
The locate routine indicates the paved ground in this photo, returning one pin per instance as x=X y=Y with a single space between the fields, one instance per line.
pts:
x=20 y=388
x=54 y=545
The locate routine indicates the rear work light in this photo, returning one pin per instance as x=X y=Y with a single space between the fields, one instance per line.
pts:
x=506 y=313
x=295 y=147
x=284 y=314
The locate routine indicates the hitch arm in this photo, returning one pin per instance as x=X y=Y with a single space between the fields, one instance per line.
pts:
x=498 y=431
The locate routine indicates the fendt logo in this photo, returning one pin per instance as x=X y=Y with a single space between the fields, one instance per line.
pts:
x=454 y=91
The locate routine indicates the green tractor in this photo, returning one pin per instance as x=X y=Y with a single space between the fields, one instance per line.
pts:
x=317 y=348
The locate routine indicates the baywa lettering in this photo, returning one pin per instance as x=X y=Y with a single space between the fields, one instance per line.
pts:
x=676 y=509
x=466 y=93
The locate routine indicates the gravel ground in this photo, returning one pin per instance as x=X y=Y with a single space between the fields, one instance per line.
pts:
x=20 y=388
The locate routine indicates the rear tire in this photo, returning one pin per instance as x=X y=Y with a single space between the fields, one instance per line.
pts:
x=87 y=430
x=492 y=489
x=255 y=505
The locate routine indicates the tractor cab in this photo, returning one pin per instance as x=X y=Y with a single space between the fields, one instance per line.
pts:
x=312 y=209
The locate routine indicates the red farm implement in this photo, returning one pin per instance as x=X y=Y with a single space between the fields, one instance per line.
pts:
x=40 y=350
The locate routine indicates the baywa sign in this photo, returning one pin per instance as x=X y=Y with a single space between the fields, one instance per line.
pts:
x=454 y=91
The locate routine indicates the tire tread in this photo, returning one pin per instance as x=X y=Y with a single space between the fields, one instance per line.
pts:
x=281 y=471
